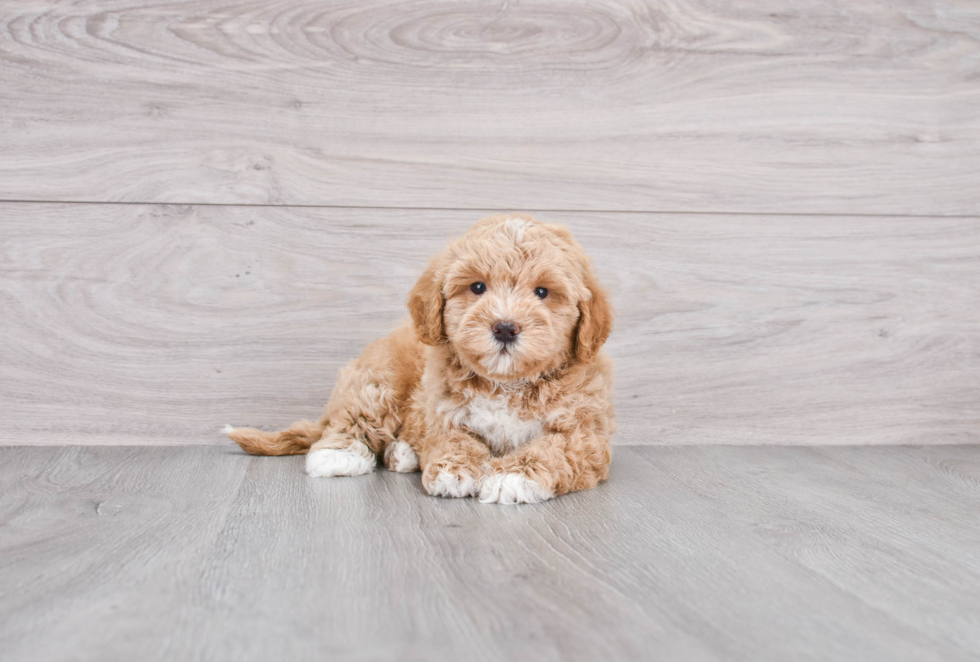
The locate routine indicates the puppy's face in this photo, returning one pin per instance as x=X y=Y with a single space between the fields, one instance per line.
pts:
x=515 y=299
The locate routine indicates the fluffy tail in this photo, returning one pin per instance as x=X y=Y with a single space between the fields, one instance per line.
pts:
x=295 y=440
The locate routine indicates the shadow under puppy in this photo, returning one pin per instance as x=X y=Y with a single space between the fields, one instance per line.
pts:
x=497 y=387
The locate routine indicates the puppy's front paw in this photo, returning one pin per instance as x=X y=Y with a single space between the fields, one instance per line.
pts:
x=511 y=488
x=338 y=462
x=450 y=481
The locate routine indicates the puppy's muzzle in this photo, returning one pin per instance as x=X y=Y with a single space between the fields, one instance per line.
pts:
x=505 y=331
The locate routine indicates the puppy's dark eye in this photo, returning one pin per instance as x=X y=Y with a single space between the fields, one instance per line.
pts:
x=478 y=288
x=542 y=292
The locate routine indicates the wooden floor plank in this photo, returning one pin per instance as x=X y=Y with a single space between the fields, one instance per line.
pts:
x=844 y=106
x=158 y=324
x=899 y=556
x=99 y=547
x=688 y=553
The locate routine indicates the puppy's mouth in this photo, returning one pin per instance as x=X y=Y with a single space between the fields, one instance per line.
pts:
x=502 y=360
x=500 y=355
x=510 y=350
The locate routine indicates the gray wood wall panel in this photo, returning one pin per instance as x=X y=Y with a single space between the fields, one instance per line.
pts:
x=707 y=553
x=158 y=324
x=844 y=106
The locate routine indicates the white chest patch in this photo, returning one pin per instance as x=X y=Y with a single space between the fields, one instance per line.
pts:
x=498 y=424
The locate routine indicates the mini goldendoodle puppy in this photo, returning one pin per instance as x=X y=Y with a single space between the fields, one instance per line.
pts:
x=497 y=387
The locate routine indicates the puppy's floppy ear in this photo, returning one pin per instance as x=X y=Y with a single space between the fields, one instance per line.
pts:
x=425 y=303
x=595 y=319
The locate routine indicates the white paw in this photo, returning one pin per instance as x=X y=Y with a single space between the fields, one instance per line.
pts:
x=400 y=457
x=510 y=489
x=338 y=462
x=451 y=485
x=227 y=429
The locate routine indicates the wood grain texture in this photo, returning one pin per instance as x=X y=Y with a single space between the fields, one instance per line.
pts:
x=158 y=324
x=687 y=553
x=101 y=547
x=844 y=106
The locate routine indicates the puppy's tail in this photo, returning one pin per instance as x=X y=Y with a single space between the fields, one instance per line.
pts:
x=295 y=440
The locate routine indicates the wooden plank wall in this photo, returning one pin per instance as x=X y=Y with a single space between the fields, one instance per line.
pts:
x=207 y=207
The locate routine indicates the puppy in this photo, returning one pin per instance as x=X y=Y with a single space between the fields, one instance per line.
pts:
x=497 y=386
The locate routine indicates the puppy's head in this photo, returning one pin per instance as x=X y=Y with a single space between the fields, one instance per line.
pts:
x=513 y=298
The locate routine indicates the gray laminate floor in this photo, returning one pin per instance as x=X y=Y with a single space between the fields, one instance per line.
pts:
x=687 y=553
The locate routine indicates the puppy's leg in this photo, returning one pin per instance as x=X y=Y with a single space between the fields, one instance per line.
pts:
x=401 y=457
x=360 y=422
x=549 y=466
x=452 y=465
x=338 y=454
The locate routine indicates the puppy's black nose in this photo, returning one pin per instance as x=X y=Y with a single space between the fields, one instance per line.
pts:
x=505 y=332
